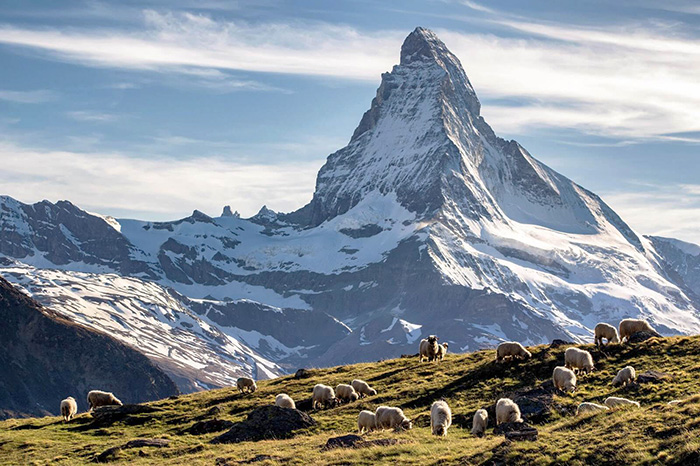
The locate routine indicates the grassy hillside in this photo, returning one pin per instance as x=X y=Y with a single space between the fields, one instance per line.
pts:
x=654 y=434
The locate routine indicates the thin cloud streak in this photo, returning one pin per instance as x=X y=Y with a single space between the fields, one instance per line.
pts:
x=28 y=97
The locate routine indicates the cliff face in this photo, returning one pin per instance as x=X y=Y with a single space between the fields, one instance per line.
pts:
x=45 y=358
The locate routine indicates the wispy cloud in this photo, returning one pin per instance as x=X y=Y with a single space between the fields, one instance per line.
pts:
x=28 y=97
x=87 y=115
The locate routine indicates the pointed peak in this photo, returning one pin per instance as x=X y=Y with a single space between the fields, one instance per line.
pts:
x=421 y=44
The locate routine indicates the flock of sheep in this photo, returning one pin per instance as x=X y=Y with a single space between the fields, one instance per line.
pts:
x=385 y=417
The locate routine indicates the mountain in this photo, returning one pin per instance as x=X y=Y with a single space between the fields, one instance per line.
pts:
x=426 y=222
x=45 y=358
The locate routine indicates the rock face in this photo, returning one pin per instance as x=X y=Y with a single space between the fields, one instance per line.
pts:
x=425 y=223
x=44 y=358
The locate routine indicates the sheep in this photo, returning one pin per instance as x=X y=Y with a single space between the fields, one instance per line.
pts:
x=587 y=407
x=507 y=411
x=440 y=418
x=564 y=379
x=392 y=418
x=607 y=331
x=366 y=421
x=362 y=388
x=511 y=349
x=323 y=395
x=69 y=408
x=626 y=376
x=613 y=402
x=480 y=421
x=98 y=398
x=345 y=392
x=428 y=348
x=285 y=401
x=629 y=327
x=578 y=359
x=674 y=402
x=442 y=351
x=246 y=385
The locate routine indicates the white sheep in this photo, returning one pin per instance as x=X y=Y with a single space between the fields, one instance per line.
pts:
x=366 y=421
x=507 y=411
x=362 y=388
x=97 y=398
x=607 y=331
x=613 y=402
x=392 y=418
x=578 y=359
x=588 y=407
x=323 y=395
x=511 y=349
x=285 y=401
x=428 y=348
x=440 y=418
x=480 y=422
x=442 y=351
x=626 y=376
x=564 y=379
x=246 y=385
x=346 y=393
x=629 y=327
x=69 y=408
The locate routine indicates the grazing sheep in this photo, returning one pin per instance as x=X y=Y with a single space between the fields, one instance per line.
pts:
x=392 y=418
x=440 y=418
x=480 y=421
x=366 y=421
x=507 y=411
x=578 y=359
x=98 y=398
x=362 y=388
x=442 y=351
x=629 y=327
x=511 y=349
x=246 y=385
x=428 y=348
x=587 y=407
x=613 y=402
x=69 y=408
x=345 y=392
x=285 y=401
x=607 y=331
x=564 y=379
x=323 y=395
x=626 y=376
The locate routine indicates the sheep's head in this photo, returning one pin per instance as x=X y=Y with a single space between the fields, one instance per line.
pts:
x=372 y=392
x=588 y=368
x=615 y=339
x=440 y=430
x=526 y=354
x=432 y=339
x=354 y=396
x=406 y=424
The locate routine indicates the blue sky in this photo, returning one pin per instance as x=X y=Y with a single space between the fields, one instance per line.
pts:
x=153 y=109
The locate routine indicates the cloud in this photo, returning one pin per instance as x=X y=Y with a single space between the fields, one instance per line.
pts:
x=156 y=188
x=28 y=97
x=87 y=115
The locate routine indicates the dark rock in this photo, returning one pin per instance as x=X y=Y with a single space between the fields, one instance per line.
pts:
x=267 y=422
x=516 y=431
x=643 y=336
x=556 y=343
x=214 y=411
x=111 y=453
x=305 y=405
x=207 y=427
x=105 y=416
x=302 y=374
x=536 y=404
x=355 y=441
x=652 y=376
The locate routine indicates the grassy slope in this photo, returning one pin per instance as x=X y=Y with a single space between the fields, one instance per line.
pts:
x=654 y=434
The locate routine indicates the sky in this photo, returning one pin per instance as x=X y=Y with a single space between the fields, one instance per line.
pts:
x=155 y=108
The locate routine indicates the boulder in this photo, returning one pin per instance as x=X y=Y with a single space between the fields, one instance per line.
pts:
x=643 y=336
x=652 y=376
x=355 y=441
x=556 y=343
x=516 y=431
x=111 y=453
x=302 y=374
x=267 y=422
x=207 y=427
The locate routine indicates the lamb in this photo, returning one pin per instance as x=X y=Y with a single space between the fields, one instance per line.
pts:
x=564 y=379
x=392 y=418
x=587 y=407
x=323 y=395
x=507 y=411
x=626 y=376
x=69 y=408
x=442 y=351
x=345 y=392
x=629 y=327
x=366 y=421
x=246 y=385
x=613 y=402
x=578 y=359
x=428 y=348
x=607 y=331
x=362 y=388
x=480 y=421
x=97 y=398
x=511 y=349
x=440 y=418
x=285 y=401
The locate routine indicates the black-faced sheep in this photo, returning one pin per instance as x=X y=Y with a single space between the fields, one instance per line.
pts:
x=97 y=398
x=392 y=418
x=346 y=393
x=629 y=327
x=362 y=388
x=246 y=385
x=626 y=376
x=480 y=422
x=507 y=411
x=511 y=349
x=605 y=331
x=440 y=418
x=324 y=396
x=366 y=421
x=564 y=379
x=69 y=408
x=428 y=348
x=578 y=359
x=285 y=401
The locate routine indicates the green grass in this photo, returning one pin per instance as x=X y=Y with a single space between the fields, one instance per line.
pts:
x=654 y=434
